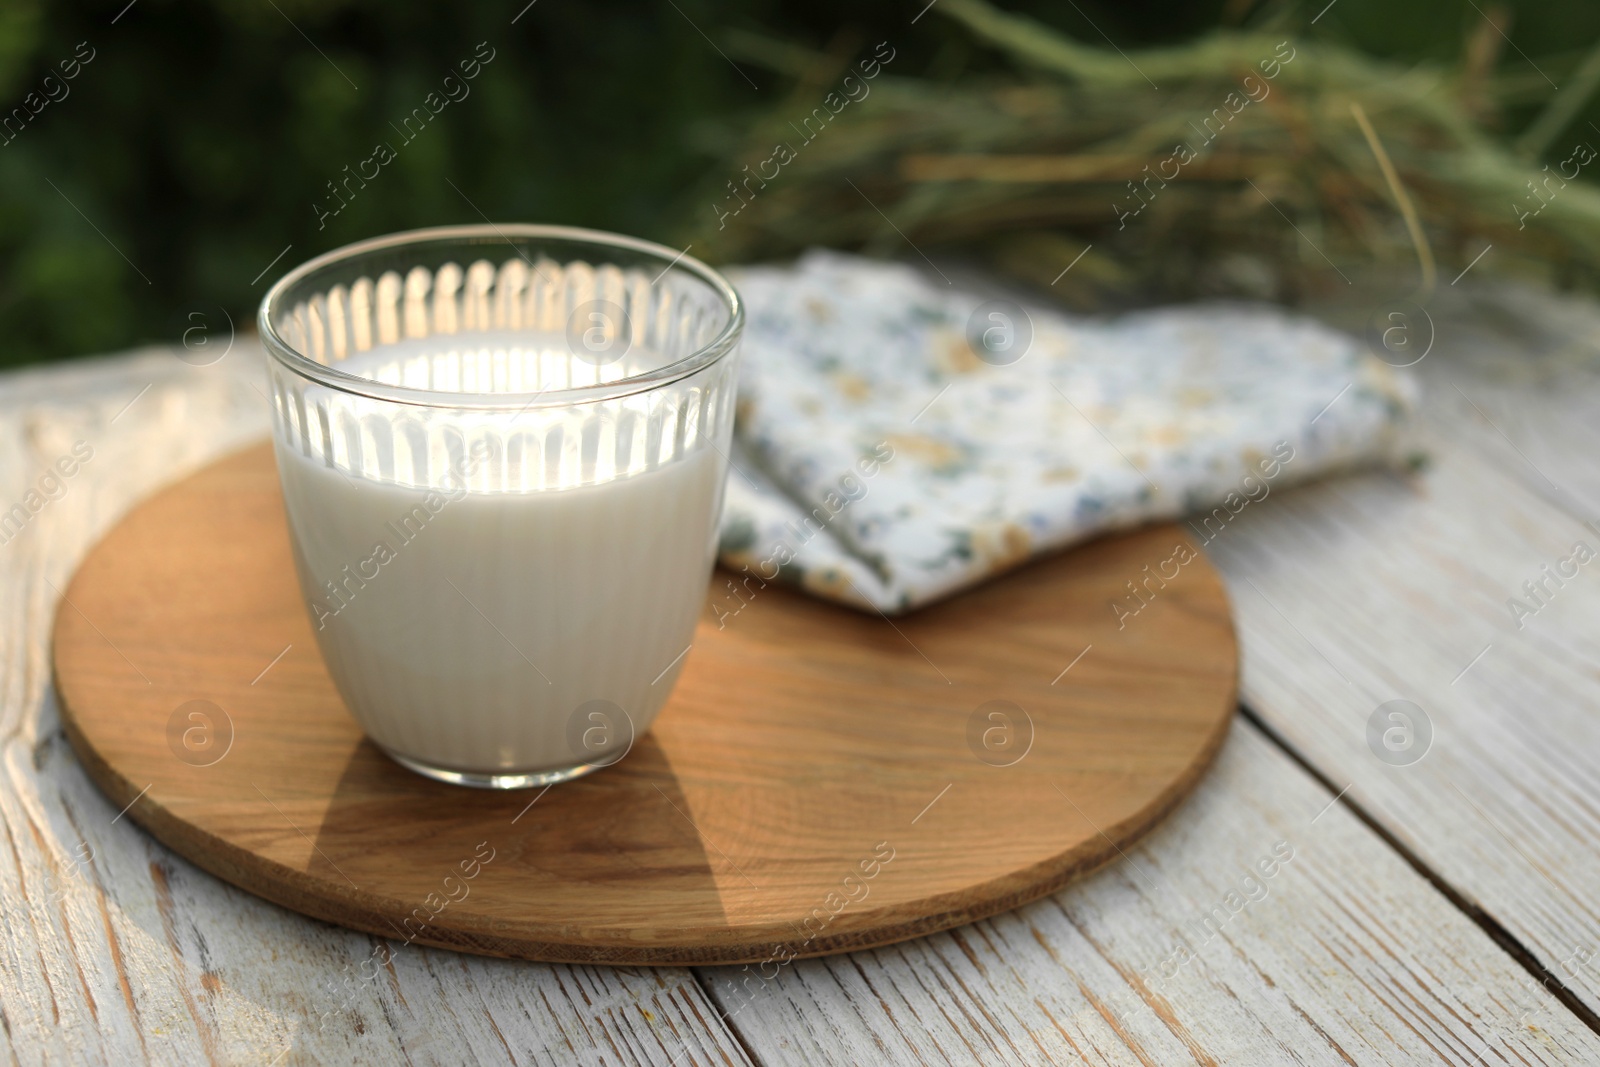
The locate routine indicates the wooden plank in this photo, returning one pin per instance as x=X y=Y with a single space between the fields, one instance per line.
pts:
x=1518 y=382
x=1361 y=955
x=1343 y=954
x=114 y=950
x=1381 y=587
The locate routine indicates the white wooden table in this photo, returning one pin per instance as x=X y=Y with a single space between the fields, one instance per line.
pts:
x=1447 y=910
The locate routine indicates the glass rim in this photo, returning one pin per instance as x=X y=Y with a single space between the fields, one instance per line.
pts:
x=294 y=360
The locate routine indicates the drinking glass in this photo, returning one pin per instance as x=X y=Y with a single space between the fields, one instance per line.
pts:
x=502 y=452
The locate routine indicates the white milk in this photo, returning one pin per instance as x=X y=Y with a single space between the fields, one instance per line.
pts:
x=470 y=630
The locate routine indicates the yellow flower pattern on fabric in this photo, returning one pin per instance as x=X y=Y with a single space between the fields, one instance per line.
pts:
x=887 y=456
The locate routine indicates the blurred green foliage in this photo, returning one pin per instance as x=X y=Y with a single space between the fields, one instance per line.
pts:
x=198 y=142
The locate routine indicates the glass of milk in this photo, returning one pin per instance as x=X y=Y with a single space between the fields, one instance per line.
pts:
x=502 y=451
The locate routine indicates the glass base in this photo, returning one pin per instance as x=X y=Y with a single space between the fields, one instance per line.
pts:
x=480 y=780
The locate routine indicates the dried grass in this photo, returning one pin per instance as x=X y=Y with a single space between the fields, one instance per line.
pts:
x=1345 y=162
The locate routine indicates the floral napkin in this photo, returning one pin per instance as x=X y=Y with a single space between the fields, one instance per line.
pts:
x=899 y=440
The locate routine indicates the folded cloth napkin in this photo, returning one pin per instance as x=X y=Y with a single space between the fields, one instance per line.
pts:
x=899 y=440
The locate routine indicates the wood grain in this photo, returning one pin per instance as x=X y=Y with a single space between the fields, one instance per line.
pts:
x=115 y=950
x=1343 y=955
x=1381 y=587
x=1357 y=960
x=798 y=795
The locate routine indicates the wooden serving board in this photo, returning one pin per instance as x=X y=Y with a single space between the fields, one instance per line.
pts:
x=822 y=779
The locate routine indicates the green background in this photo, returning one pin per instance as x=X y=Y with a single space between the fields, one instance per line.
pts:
x=194 y=146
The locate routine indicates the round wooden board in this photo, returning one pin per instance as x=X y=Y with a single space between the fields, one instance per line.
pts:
x=814 y=785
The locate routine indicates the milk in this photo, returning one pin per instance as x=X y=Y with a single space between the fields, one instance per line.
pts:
x=491 y=615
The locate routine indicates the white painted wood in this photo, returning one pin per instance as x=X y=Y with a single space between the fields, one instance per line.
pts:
x=135 y=956
x=116 y=951
x=1379 y=587
x=1346 y=955
x=1518 y=382
x=1350 y=593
